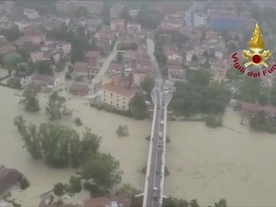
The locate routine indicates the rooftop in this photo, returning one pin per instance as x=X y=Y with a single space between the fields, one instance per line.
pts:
x=118 y=90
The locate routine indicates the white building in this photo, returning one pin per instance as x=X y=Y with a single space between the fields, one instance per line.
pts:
x=200 y=20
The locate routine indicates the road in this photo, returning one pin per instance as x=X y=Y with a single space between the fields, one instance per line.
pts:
x=105 y=65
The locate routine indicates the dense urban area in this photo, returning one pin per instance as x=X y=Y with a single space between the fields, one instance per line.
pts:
x=76 y=81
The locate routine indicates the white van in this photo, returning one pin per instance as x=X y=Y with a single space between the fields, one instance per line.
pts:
x=155 y=193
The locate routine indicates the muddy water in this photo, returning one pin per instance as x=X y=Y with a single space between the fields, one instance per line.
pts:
x=209 y=164
x=130 y=151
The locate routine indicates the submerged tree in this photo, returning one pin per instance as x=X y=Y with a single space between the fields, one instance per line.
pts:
x=147 y=85
x=55 y=104
x=104 y=170
x=30 y=98
x=138 y=107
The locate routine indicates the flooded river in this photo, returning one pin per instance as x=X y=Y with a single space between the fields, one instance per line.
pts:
x=207 y=164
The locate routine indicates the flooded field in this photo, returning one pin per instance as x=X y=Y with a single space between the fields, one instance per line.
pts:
x=209 y=164
x=130 y=151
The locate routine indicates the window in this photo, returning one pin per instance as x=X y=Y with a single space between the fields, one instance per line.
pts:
x=117 y=96
x=111 y=94
x=124 y=98
x=111 y=102
x=117 y=100
x=117 y=105
x=104 y=99
x=123 y=107
x=123 y=102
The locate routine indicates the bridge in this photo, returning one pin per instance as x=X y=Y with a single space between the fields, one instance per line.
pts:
x=155 y=174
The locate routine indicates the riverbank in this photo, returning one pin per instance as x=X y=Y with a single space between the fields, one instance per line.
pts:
x=128 y=150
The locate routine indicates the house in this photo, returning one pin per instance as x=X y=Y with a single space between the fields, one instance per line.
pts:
x=133 y=27
x=79 y=89
x=38 y=56
x=45 y=81
x=138 y=76
x=22 y=41
x=92 y=58
x=252 y=108
x=116 y=67
x=219 y=70
x=82 y=69
x=6 y=49
x=117 y=24
x=92 y=24
x=176 y=75
x=8 y=178
x=105 y=39
x=116 y=96
x=171 y=24
x=129 y=57
x=31 y=13
x=106 y=202
x=171 y=55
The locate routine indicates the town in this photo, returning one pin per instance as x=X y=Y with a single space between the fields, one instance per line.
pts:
x=74 y=70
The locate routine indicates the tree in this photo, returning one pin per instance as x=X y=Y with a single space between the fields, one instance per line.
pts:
x=125 y=14
x=149 y=18
x=11 y=34
x=106 y=13
x=59 y=189
x=147 y=85
x=174 y=202
x=44 y=67
x=81 y=12
x=120 y=57
x=11 y=60
x=30 y=98
x=90 y=145
x=122 y=131
x=55 y=105
x=221 y=203
x=128 y=191
x=194 y=58
x=233 y=74
x=75 y=184
x=138 y=107
x=104 y=170
x=19 y=122
x=24 y=183
x=258 y=122
x=198 y=77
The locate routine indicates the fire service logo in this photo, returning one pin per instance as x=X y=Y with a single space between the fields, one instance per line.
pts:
x=255 y=56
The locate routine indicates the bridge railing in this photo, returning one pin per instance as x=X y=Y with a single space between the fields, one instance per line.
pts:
x=149 y=154
x=164 y=151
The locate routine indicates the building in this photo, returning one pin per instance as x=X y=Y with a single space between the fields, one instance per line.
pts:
x=45 y=81
x=116 y=96
x=117 y=24
x=133 y=27
x=199 y=20
x=31 y=13
x=79 y=89
x=106 y=202
x=82 y=69
x=8 y=178
x=252 y=108
x=138 y=76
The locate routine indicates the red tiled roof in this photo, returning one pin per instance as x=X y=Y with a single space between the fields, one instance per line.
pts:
x=21 y=41
x=118 y=90
x=252 y=107
x=92 y=54
x=97 y=202
x=7 y=49
x=44 y=78
x=8 y=177
x=81 y=66
x=115 y=66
